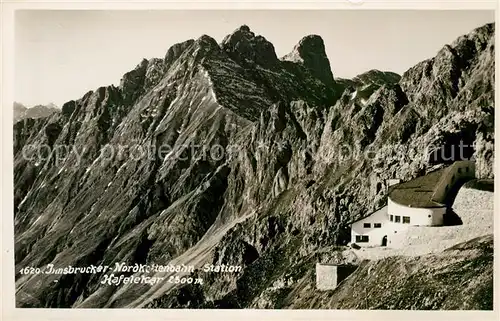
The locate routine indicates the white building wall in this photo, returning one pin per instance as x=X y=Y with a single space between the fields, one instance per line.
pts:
x=418 y=216
x=375 y=235
x=326 y=276
x=393 y=181
x=329 y=276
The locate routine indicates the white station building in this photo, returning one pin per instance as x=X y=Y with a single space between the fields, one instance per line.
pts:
x=422 y=201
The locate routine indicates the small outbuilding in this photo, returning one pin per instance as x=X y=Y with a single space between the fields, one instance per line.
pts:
x=328 y=276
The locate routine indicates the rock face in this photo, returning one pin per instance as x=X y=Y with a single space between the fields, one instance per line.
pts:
x=225 y=154
x=245 y=47
x=310 y=51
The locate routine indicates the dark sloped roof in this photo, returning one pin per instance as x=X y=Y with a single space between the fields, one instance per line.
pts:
x=418 y=192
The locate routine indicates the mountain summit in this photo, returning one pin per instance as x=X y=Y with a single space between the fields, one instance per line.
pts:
x=38 y=111
x=245 y=47
x=310 y=51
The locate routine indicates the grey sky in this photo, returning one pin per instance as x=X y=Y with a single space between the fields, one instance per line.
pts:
x=60 y=55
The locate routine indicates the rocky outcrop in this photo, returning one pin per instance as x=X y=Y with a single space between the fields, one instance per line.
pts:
x=245 y=47
x=225 y=154
x=176 y=51
x=310 y=51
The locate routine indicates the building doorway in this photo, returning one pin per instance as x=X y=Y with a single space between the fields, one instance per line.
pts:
x=384 y=240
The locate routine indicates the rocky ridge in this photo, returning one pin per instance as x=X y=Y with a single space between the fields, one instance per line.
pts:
x=38 y=111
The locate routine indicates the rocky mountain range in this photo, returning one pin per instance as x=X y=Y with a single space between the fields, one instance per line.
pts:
x=20 y=111
x=265 y=167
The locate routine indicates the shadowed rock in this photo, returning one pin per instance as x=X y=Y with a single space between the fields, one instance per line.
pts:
x=310 y=51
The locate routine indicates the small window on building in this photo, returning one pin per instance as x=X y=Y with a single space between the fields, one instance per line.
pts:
x=467 y=169
x=361 y=238
x=429 y=215
x=392 y=218
x=406 y=220
x=377 y=225
x=459 y=171
x=398 y=219
x=367 y=225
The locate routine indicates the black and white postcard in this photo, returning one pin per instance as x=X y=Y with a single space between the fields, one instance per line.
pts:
x=252 y=159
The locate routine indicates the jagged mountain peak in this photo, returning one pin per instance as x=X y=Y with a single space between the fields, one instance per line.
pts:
x=37 y=111
x=245 y=47
x=313 y=43
x=241 y=31
x=469 y=56
x=483 y=33
x=206 y=40
x=307 y=46
x=176 y=50
x=244 y=28
x=376 y=77
x=310 y=51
